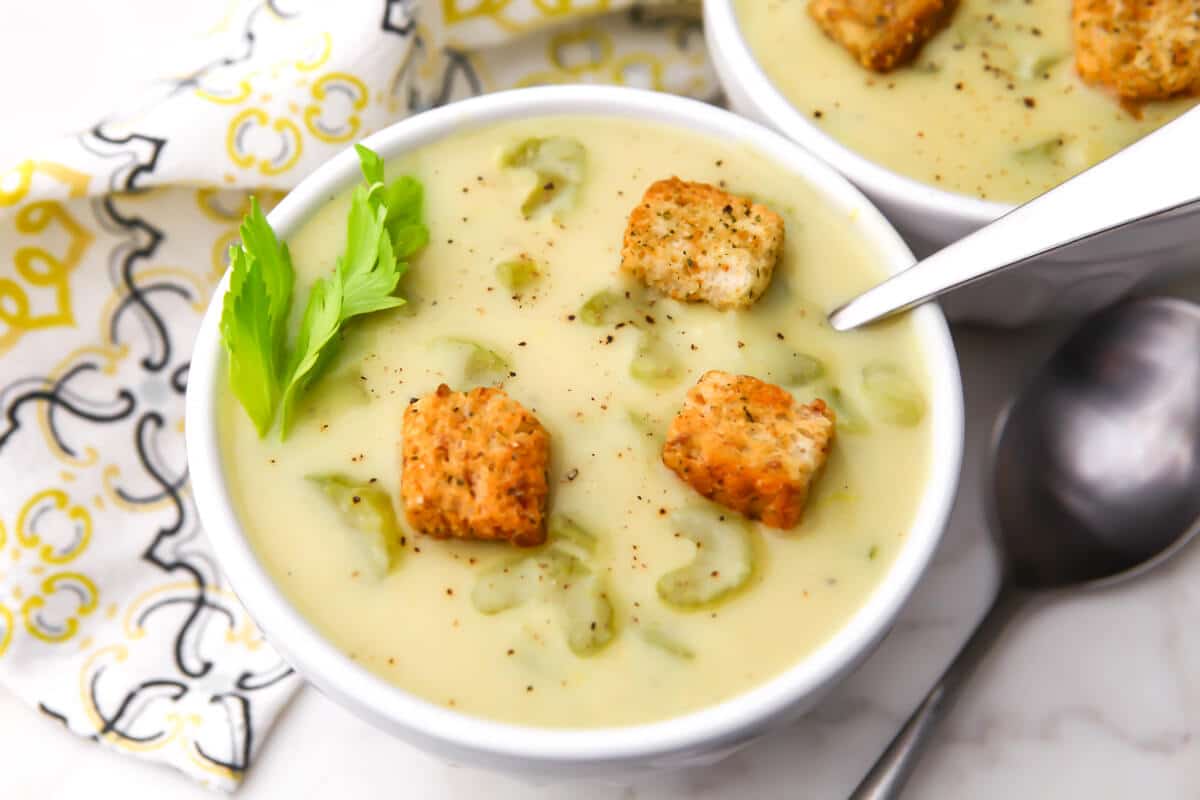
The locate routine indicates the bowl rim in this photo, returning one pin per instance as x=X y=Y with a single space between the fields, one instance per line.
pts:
x=889 y=187
x=320 y=662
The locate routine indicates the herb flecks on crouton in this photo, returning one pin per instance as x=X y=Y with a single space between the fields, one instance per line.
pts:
x=749 y=446
x=474 y=466
x=1140 y=50
x=881 y=34
x=696 y=242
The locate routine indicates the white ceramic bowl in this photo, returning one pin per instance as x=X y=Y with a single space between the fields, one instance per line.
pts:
x=1073 y=282
x=699 y=737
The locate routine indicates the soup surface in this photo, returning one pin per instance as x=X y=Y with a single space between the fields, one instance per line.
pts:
x=992 y=107
x=418 y=625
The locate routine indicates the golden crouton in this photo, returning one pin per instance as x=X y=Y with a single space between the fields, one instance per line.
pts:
x=474 y=466
x=1141 y=49
x=749 y=445
x=696 y=242
x=881 y=34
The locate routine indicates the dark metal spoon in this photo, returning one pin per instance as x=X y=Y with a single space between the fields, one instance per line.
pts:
x=1095 y=478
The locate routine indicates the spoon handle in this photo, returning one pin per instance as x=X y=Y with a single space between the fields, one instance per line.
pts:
x=1159 y=173
x=887 y=777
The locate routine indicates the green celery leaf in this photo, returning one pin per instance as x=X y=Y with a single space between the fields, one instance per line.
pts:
x=246 y=330
x=372 y=290
x=372 y=164
x=254 y=317
x=367 y=271
x=275 y=265
x=322 y=318
x=408 y=238
x=325 y=359
x=363 y=228
x=405 y=200
x=383 y=227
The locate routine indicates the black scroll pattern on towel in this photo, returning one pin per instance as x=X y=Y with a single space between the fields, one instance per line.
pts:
x=113 y=412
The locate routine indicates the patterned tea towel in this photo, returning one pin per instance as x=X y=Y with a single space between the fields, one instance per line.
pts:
x=114 y=619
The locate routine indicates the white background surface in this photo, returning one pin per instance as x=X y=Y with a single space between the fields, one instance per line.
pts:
x=1095 y=697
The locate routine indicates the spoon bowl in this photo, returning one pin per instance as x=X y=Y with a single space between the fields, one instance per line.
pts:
x=1094 y=476
x=1096 y=466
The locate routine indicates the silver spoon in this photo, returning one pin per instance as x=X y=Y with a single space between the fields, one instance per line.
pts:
x=1156 y=174
x=1094 y=476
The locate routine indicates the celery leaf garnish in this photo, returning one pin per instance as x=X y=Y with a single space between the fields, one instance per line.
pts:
x=383 y=228
x=254 y=318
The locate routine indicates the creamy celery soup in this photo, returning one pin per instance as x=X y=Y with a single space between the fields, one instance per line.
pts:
x=520 y=301
x=992 y=107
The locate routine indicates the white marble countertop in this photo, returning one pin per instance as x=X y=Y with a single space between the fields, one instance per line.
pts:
x=1095 y=696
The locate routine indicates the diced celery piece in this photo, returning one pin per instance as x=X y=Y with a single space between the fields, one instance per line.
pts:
x=589 y=613
x=368 y=510
x=646 y=425
x=724 y=560
x=893 y=396
x=656 y=637
x=775 y=360
x=569 y=537
x=979 y=29
x=595 y=310
x=1002 y=58
x=1087 y=150
x=655 y=363
x=532 y=652
x=1037 y=67
x=803 y=369
x=517 y=274
x=620 y=304
x=1041 y=151
x=483 y=363
x=508 y=584
x=558 y=163
x=789 y=367
x=480 y=365
x=559 y=572
x=849 y=420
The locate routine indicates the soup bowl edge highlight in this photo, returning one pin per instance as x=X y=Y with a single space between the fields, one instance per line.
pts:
x=1071 y=283
x=549 y=753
